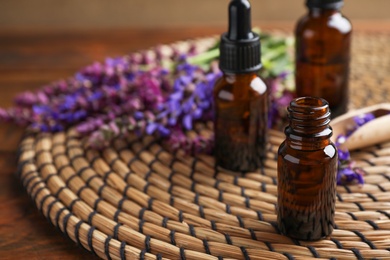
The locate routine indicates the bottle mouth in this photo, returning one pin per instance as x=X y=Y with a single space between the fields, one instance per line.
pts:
x=309 y=103
x=308 y=113
x=309 y=108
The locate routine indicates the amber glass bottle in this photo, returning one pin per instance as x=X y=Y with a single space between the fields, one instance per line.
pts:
x=240 y=95
x=323 y=39
x=241 y=121
x=307 y=167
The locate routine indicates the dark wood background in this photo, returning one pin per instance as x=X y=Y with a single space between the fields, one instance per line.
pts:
x=32 y=58
x=93 y=14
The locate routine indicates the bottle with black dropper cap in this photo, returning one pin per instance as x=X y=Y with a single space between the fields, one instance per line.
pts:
x=323 y=40
x=240 y=95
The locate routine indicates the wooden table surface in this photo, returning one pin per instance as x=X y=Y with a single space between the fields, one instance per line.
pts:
x=32 y=58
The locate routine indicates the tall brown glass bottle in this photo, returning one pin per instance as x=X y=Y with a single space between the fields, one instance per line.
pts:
x=307 y=168
x=241 y=101
x=323 y=39
x=241 y=121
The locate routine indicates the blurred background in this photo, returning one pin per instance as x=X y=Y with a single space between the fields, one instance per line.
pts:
x=58 y=37
x=106 y=14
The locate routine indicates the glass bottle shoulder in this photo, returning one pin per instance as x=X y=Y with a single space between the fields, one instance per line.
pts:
x=312 y=25
x=295 y=155
x=244 y=86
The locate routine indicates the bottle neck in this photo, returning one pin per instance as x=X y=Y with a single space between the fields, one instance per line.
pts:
x=309 y=124
x=322 y=12
x=239 y=76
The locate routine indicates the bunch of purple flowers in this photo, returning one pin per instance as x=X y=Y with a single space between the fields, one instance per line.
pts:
x=189 y=100
x=163 y=91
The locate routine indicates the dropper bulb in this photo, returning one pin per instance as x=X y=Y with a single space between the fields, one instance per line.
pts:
x=240 y=27
x=240 y=47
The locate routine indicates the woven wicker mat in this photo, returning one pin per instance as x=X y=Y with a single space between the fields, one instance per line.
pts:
x=137 y=200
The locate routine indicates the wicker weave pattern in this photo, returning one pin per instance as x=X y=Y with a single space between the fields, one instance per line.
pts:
x=137 y=200
x=370 y=78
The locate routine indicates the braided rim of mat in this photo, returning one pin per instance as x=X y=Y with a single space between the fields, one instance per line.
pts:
x=138 y=200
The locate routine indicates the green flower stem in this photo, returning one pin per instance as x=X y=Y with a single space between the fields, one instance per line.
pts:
x=272 y=54
x=205 y=57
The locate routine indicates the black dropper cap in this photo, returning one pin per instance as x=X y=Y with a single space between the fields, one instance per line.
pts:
x=325 y=4
x=240 y=47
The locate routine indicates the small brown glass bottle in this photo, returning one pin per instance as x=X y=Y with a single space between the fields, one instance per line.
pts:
x=240 y=95
x=323 y=39
x=307 y=167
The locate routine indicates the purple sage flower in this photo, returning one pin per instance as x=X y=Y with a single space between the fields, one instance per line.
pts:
x=363 y=119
